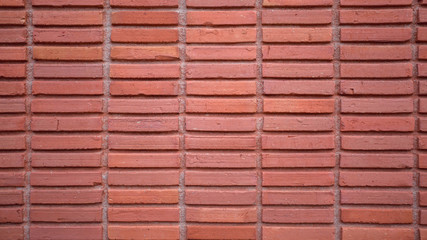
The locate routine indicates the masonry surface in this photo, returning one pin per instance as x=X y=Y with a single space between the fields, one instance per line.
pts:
x=213 y=119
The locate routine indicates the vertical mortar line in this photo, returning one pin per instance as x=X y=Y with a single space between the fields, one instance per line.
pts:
x=28 y=98
x=259 y=115
x=336 y=65
x=415 y=189
x=182 y=12
x=106 y=96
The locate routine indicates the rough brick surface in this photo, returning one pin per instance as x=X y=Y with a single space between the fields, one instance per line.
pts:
x=213 y=119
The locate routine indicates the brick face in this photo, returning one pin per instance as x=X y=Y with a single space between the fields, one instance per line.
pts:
x=213 y=119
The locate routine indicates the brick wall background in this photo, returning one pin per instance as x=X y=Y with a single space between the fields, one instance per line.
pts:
x=213 y=119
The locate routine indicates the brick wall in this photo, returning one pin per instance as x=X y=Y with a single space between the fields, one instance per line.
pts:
x=213 y=119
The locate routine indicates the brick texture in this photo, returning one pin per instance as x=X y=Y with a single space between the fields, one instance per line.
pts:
x=213 y=119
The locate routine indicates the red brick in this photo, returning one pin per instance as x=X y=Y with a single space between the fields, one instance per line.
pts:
x=138 y=35
x=379 y=216
x=221 y=215
x=422 y=197
x=160 y=53
x=144 y=3
x=375 y=2
x=12 y=179
x=153 y=196
x=67 y=18
x=377 y=70
x=220 y=70
x=143 y=160
x=377 y=124
x=12 y=142
x=12 y=17
x=146 y=88
x=118 y=70
x=220 y=53
x=13 y=35
x=275 y=197
x=422 y=15
x=11 y=197
x=79 y=232
x=277 y=215
x=66 y=105
x=65 y=178
x=379 y=160
x=143 y=106
x=220 y=3
x=299 y=17
x=298 y=124
x=12 y=105
x=377 y=142
x=219 y=197
x=298 y=70
x=144 y=178
x=12 y=160
x=297 y=233
x=222 y=178
x=66 y=124
x=39 y=159
x=214 y=105
x=422 y=160
x=12 y=123
x=11 y=3
x=422 y=124
x=220 y=142
x=296 y=3
x=297 y=160
x=67 y=53
x=69 y=196
x=422 y=87
x=275 y=105
x=149 y=232
x=144 y=18
x=376 y=105
x=67 y=88
x=220 y=160
x=376 y=34
x=66 y=214
x=212 y=18
x=221 y=35
x=375 y=16
x=232 y=88
x=375 y=52
x=422 y=70
x=300 y=87
x=142 y=124
x=10 y=53
x=146 y=214
x=220 y=124
x=66 y=3
x=297 y=35
x=375 y=179
x=422 y=179
x=74 y=70
x=220 y=232
x=68 y=35
x=297 y=179
x=133 y=142
x=356 y=233
x=66 y=142
x=376 y=197
x=373 y=87
x=422 y=52
x=12 y=70
x=297 y=52
x=297 y=142
x=11 y=215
